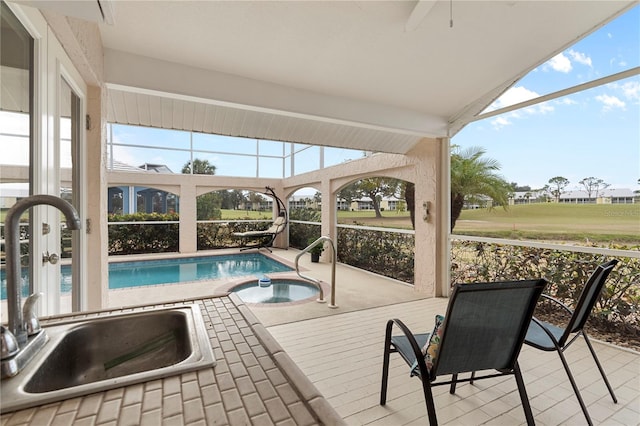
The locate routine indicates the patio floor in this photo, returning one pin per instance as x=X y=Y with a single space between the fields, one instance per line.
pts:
x=341 y=352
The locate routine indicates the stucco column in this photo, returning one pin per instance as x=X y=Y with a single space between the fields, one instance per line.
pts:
x=97 y=261
x=431 y=243
x=328 y=217
x=188 y=217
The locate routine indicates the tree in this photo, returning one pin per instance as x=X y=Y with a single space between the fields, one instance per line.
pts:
x=556 y=186
x=255 y=199
x=200 y=167
x=349 y=193
x=593 y=185
x=207 y=205
x=410 y=198
x=519 y=188
x=473 y=176
x=237 y=197
x=376 y=188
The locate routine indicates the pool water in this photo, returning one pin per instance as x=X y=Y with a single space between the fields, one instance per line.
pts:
x=168 y=271
x=279 y=291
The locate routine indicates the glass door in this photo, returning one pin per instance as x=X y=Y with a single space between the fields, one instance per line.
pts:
x=16 y=136
x=62 y=254
x=66 y=162
x=42 y=106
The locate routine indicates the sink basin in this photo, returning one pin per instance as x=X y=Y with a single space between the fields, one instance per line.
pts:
x=93 y=355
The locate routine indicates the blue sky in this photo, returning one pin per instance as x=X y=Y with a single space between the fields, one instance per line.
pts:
x=592 y=133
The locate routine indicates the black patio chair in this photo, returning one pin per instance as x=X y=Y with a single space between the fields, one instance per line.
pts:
x=483 y=329
x=548 y=337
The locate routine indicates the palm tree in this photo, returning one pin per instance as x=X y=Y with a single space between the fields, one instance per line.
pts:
x=200 y=167
x=473 y=176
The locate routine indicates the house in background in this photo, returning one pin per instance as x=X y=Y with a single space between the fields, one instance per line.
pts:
x=605 y=196
x=135 y=199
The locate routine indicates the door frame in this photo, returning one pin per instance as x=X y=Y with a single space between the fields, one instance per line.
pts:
x=50 y=64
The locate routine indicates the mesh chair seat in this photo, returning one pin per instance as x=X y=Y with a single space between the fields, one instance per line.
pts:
x=403 y=346
x=538 y=338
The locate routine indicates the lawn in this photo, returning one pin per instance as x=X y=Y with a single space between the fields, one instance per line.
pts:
x=599 y=223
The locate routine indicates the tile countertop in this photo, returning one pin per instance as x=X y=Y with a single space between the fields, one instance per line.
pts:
x=253 y=382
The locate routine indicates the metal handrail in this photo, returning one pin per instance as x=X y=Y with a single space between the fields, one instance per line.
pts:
x=333 y=269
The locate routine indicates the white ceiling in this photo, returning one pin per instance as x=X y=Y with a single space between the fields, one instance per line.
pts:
x=378 y=68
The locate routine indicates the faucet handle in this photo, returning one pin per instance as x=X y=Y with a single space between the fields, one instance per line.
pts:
x=29 y=317
x=9 y=343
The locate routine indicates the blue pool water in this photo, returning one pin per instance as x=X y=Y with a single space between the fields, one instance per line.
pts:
x=278 y=291
x=167 y=271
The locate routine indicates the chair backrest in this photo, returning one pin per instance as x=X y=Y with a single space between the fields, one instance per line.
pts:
x=588 y=298
x=277 y=226
x=485 y=325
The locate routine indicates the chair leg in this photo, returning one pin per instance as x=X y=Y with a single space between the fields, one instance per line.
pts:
x=604 y=376
x=454 y=382
x=428 y=399
x=385 y=371
x=575 y=387
x=528 y=414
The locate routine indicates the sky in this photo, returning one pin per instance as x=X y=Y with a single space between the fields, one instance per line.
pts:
x=595 y=133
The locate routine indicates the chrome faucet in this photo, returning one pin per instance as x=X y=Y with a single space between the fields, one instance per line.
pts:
x=18 y=325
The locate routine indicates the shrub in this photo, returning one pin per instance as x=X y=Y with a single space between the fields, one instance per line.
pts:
x=385 y=253
x=143 y=238
x=566 y=271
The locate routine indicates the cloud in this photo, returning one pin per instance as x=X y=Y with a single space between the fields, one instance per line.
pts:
x=513 y=96
x=610 y=102
x=631 y=90
x=500 y=122
x=559 y=63
x=566 y=101
x=580 y=58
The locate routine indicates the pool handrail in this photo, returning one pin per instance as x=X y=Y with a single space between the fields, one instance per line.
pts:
x=320 y=240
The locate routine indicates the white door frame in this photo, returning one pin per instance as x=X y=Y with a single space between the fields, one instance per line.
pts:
x=51 y=63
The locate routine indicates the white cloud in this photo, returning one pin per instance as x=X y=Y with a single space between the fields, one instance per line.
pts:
x=610 y=102
x=566 y=101
x=513 y=96
x=124 y=155
x=500 y=122
x=580 y=58
x=631 y=90
x=559 y=63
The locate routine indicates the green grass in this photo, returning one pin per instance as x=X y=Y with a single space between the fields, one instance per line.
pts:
x=245 y=215
x=587 y=214
x=598 y=223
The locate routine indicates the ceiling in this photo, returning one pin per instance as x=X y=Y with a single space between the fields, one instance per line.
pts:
x=371 y=75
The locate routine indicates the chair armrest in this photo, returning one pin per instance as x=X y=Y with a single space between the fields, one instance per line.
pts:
x=417 y=351
x=557 y=302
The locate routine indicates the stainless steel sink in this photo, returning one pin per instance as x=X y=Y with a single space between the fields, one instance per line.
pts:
x=101 y=353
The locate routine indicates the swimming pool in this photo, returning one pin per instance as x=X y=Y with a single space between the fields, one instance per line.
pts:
x=277 y=291
x=176 y=270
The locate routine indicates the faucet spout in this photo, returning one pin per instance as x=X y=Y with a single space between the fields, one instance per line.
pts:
x=17 y=324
